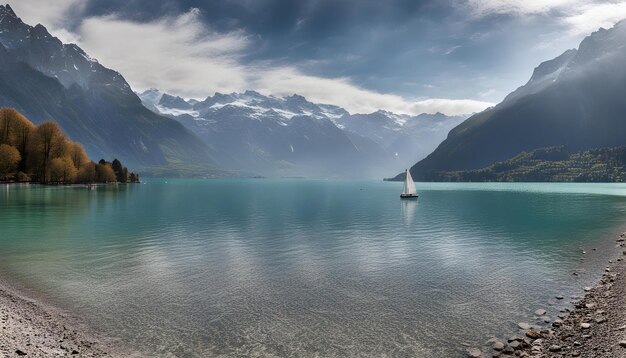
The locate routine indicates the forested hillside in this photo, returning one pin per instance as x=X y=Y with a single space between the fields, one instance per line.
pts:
x=555 y=164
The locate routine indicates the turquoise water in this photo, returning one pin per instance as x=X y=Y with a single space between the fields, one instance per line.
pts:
x=296 y=267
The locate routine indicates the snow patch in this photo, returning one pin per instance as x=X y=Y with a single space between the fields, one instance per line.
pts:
x=177 y=112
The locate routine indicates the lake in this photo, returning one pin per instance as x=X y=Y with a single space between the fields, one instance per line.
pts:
x=193 y=268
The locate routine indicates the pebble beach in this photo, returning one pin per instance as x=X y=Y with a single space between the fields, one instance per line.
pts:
x=595 y=325
x=29 y=328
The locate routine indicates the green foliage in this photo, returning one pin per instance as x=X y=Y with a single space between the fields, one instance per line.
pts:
x=553 y=164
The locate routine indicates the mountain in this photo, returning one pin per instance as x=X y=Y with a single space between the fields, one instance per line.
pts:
x=291 y=136
x=45 y=79
x=404 y=137
x=575 y=100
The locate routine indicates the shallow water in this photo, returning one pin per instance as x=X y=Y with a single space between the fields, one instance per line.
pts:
x=298 y=267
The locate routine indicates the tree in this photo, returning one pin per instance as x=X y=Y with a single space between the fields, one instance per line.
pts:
x=62 y=170
x=9 y=159
x=105 y=174
x=23 y=132
x=87 y=173
x=7 y=124
x=48 y=143
x=78 y=155
x=118 y=169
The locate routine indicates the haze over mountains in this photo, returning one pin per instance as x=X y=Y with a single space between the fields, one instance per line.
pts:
x=291 y=136
x=575 y=100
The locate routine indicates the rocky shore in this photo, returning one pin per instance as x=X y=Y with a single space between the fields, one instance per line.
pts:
x=32 y=329
x=595 y=326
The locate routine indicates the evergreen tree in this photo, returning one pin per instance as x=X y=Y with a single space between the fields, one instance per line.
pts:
x=118 y=169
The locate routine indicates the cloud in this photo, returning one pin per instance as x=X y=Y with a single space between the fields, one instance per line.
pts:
x=590 y=17
x=52 y=14
x=177 y=54
x=182 y=55
x=341 y=92
x=481 y=8
x=578 y=16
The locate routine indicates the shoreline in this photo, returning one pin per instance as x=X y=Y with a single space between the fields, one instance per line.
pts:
x=32 y=328
x=593 y=326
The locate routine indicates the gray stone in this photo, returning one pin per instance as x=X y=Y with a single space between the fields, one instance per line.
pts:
x=523 y=325
x=533 y=334
x=474 y=353
x=514 y=338
x=585 y=325
x=498 y=346
x=540 y=312
x=622 y=344
x=554 y=348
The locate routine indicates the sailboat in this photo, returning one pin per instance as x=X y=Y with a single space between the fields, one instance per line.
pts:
x=408 y=191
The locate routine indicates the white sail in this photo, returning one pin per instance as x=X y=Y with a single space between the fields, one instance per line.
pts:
x=409 y=185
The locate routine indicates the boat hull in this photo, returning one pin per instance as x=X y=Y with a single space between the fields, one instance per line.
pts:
x=408 y=196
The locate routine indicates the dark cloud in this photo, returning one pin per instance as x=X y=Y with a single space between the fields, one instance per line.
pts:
x=409 y=47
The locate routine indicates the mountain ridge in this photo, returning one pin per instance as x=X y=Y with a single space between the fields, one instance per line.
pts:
x=573 y=100
x=249 y=129
x=46 y=79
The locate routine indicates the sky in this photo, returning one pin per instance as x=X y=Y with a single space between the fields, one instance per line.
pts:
x=405 y=56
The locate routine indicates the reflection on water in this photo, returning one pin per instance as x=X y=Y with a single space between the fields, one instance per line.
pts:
x=408 y=210
x=293 y=267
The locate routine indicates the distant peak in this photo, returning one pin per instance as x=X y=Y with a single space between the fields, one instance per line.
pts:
x=39 y=29
x=7 y=10
x=252 y=93
x=620 y=23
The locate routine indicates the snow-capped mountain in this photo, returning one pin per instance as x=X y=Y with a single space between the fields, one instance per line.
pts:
x=45 y=79
x=291 y=136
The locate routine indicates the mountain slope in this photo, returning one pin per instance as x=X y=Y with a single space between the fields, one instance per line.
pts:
x=574 y=100
x=46 y=79
x=291 y=136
